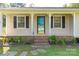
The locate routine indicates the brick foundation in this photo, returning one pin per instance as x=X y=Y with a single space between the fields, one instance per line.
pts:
x=39 y=39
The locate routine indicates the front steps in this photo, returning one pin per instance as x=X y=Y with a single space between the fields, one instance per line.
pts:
x=40 y=42
x=40 y=39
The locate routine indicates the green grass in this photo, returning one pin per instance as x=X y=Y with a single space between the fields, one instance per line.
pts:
x=63 y=51
x=20 y=48
x=51 y=51
x=0 y=49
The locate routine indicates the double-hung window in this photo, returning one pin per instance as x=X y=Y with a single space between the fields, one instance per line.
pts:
x=57 y=21
x=21 y=22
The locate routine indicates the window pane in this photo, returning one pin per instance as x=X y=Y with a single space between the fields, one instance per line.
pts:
x=21 y=22
x=57 y=22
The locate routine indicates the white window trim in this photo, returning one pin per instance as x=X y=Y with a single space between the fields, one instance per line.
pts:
x=24 y=21
x=61 y=22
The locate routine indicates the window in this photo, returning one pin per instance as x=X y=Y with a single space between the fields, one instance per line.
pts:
x=58 y=21
x=21 y=21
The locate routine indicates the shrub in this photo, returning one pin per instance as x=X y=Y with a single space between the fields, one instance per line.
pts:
x=61 y=42
x=18 y=40
x=52 y=39
x=74 y=42
x=11 y=40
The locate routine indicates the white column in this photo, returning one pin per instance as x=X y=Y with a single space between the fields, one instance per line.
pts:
x=32 y=29
x=49 y=24
x=74 y=24
x=1 y=24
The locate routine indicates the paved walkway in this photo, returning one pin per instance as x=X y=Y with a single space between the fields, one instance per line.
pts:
x=35 y=52
x=9 y=53
x=24 y=53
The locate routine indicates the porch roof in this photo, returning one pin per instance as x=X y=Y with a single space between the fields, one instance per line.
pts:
x=40 y=10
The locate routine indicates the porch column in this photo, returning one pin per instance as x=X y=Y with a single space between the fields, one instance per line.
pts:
x=7 y=23
x=49 y=24
x=74 y=24
x=1 y=24
x=32 y=29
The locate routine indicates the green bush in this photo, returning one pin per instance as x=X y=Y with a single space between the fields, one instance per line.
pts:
x=16 y=40
x=52 y=39
x=61 y=42
x=74 y=42
x=21 y=40
x=11 y=40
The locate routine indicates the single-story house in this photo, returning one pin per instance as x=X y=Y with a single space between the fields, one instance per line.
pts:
x=40 y=22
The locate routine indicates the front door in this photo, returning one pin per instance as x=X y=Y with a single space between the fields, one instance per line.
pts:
x=40 y=24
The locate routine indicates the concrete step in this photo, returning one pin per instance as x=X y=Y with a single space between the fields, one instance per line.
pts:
x=41 y=41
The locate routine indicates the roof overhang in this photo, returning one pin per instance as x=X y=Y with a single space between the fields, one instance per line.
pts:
x=39 y=10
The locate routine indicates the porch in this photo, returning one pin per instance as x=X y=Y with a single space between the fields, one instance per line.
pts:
x=27 y=24
x=62 y=27
x=39 y=25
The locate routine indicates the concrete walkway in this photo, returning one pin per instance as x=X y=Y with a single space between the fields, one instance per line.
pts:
x=36 y=51
x=9 y=53
x=24 y=53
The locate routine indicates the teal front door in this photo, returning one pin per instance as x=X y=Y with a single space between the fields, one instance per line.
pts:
x=40 y=24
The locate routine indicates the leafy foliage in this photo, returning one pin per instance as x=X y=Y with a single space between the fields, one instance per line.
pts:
x=74 y=42
x=17 y=4
x=61 y=42
x=5 y=5
x=20 y=40
x=52 y=39
x=72 y=5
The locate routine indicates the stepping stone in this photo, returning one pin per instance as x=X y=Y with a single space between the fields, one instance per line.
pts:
x=40 y=46
x=69 y=46
x=23 y=53
x=78 y=45
x=34 y=52
x=10 y=53
x=41 y=50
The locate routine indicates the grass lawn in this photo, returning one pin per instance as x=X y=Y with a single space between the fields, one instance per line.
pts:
x=51 y=51
x=21 y=48
x=63 y=51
